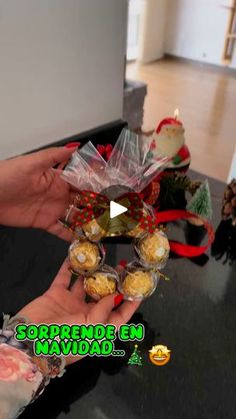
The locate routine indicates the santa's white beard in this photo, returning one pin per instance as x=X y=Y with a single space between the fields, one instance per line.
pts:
x=169 y=146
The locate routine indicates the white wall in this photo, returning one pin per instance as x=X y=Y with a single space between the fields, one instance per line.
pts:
x=134 y=15
x=195 y=29
x=152 y=30
x=62 y=68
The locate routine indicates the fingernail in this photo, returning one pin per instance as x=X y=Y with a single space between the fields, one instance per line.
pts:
x=118 y=299
x=101 y=149
x=123 y=263
x=72 y=145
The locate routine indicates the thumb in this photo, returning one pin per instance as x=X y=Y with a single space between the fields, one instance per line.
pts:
x=46 y=159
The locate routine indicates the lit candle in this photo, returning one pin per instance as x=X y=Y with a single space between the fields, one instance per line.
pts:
x=170 y=121
x=169 y=140
x=176 y=113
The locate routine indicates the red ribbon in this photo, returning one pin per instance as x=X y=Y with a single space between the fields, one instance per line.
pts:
x=181 y=249
x=89 y=205
x=151 y=193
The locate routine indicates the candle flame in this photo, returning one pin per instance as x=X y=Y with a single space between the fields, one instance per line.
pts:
x=176 y=113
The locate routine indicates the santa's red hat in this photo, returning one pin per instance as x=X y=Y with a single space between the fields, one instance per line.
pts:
x=168 y=121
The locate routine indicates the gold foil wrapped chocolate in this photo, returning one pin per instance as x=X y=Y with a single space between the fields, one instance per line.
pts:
x=85 y=256
x=93 y=231
x=101 y=283
x=153 y=249
x=137 y=282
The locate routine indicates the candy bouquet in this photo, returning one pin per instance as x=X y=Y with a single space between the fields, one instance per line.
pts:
x=130 y=168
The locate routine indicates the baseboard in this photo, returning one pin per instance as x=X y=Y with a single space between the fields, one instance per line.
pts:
x=217 y=67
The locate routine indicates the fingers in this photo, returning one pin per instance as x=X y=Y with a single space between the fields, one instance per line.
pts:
x=62 y=165
x=124 y=313
x=60 y=231
x=50 y=157
x=78 y=289
x=63 y=277
x=102 y=310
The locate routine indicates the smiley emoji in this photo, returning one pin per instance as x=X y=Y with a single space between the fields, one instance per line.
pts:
x=159 y=355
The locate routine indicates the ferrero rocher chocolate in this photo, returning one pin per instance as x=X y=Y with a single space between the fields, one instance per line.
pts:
x=93 y=230
x=153 y=249
x=101 y=283
x=137 y=283
x=84 y=256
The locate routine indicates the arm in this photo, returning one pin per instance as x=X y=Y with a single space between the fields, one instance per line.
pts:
x=23 y=376
x=20 y=381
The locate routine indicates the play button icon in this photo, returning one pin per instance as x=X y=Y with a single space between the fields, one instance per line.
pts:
x=123 y=213
x=116 y=209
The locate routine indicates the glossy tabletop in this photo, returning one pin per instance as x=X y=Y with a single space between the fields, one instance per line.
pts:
x=194 y=314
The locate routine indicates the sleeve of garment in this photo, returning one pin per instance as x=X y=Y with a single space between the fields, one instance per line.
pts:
x=21 y=381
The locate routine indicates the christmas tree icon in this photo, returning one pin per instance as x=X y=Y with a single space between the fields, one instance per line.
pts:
x=135 y=358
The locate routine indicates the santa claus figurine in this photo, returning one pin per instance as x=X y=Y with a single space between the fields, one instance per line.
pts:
x=169 y=140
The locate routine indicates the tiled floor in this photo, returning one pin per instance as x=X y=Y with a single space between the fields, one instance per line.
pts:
x=206 y=99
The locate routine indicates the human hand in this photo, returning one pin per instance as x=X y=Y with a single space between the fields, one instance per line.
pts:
x=32 y=193
x=62 y=305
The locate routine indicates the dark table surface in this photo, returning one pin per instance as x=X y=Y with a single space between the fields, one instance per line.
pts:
x=194 y=314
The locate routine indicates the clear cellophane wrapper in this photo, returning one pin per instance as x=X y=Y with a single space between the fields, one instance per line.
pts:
x=85 y=257
x=137 y=282
x=101 y=283
x=132 y=164
x=152 y=249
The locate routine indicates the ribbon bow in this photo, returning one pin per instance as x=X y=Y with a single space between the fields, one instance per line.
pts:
x=89 y=205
